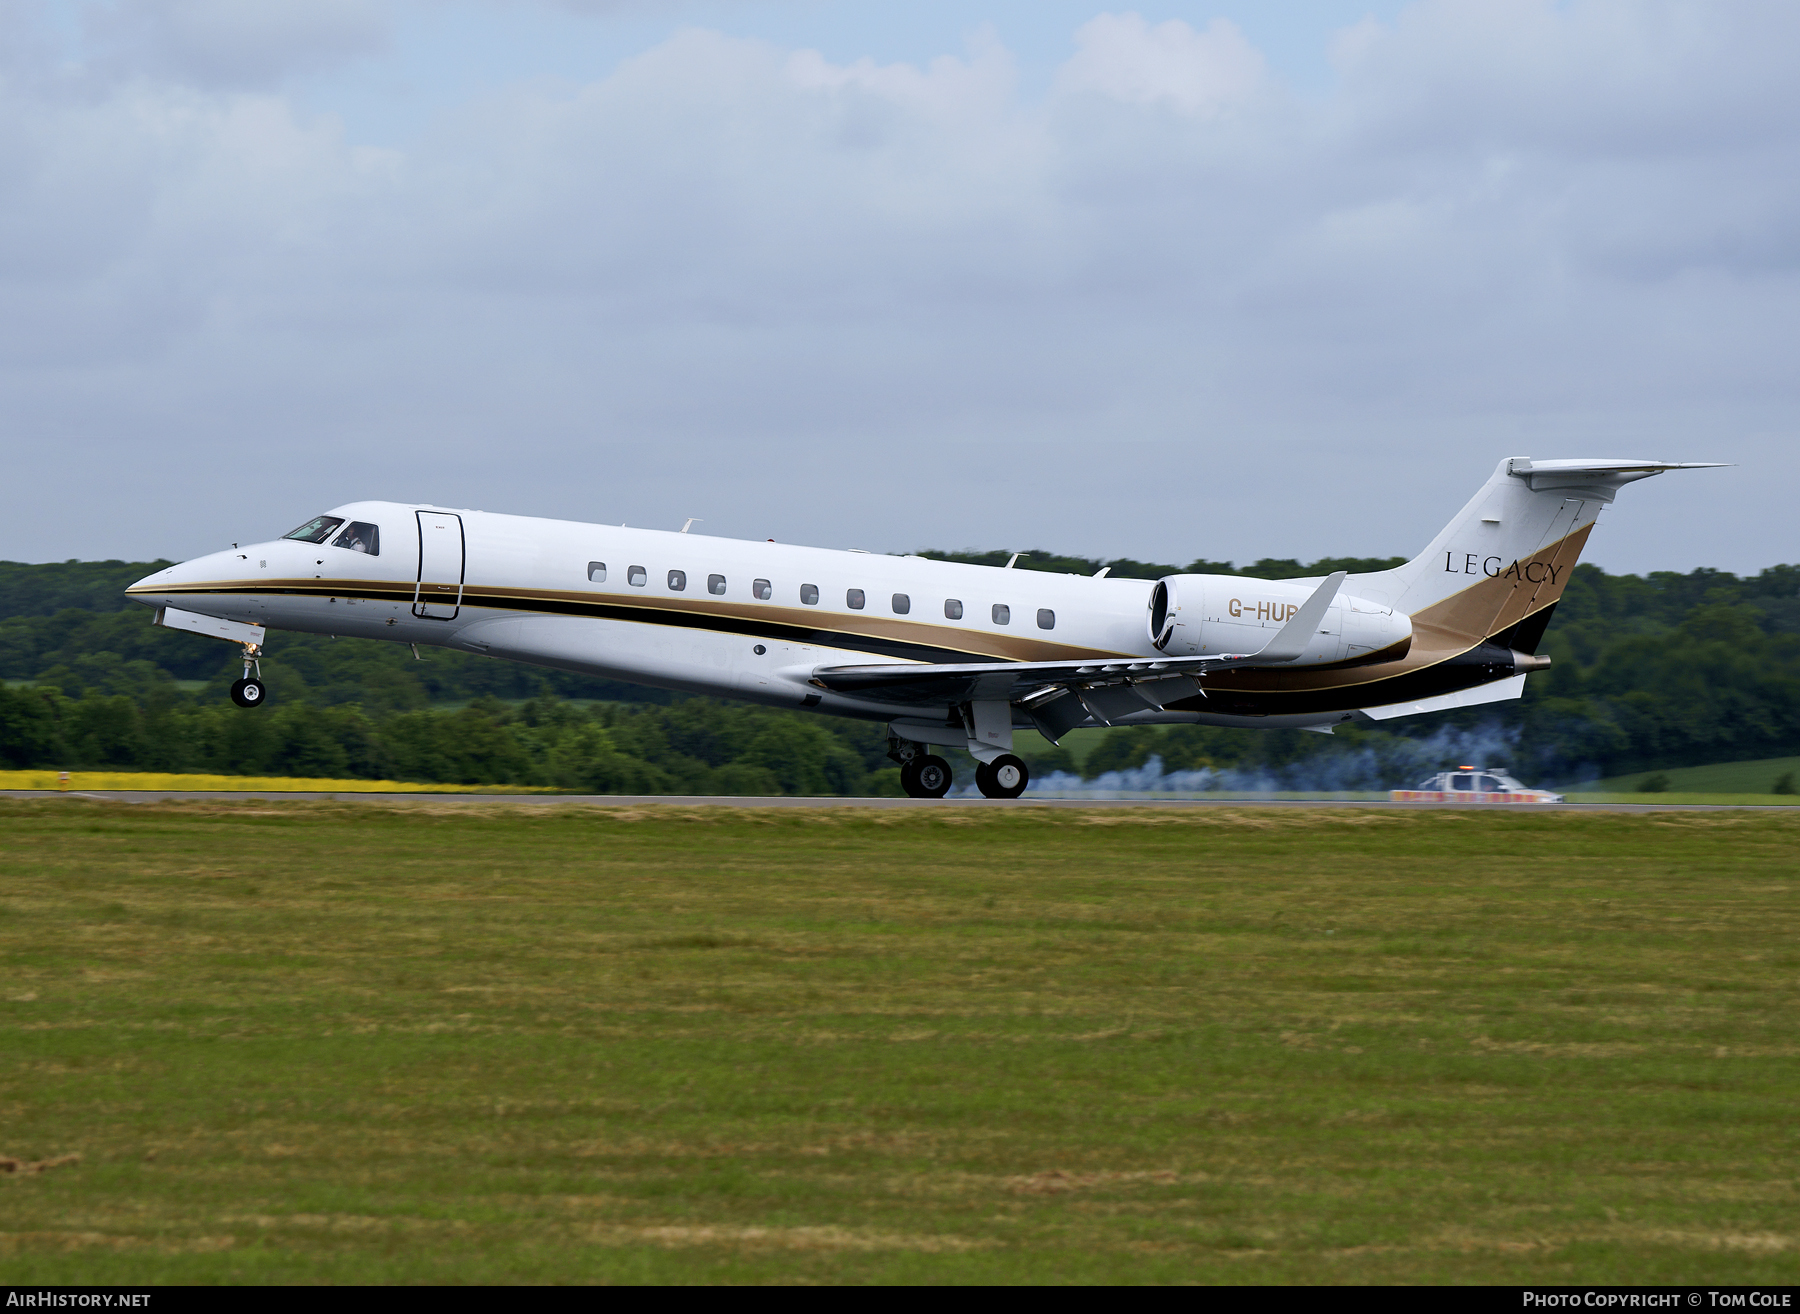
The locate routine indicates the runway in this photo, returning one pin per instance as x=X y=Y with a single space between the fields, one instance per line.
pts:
x=740 y=801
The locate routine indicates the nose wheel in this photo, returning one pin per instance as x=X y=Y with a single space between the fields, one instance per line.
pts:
x=250 y=691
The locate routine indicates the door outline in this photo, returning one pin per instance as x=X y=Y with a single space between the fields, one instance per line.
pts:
x=434 y=607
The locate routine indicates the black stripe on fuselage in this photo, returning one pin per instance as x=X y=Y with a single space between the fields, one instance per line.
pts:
x=1481 y=664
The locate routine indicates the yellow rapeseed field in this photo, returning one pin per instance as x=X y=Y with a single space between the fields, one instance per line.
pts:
x=170 y=780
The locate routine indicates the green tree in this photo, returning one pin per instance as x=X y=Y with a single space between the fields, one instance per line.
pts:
x=28 y=728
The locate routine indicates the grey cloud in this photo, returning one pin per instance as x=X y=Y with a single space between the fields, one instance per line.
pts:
x=234 y=43
x=894 y=306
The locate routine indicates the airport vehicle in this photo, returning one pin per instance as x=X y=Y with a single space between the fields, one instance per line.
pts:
x=1468 y=784
x=948 y=655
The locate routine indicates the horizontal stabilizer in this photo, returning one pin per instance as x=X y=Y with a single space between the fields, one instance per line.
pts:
x=1521 y=465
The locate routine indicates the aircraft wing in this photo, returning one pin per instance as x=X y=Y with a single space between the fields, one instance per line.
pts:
x=1066 y=693
x=938 y=682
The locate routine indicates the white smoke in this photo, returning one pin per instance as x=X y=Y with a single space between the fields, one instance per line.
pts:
x=1391 y=762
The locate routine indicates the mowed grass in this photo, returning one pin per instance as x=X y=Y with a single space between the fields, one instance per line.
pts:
x=441 y=1042
x=1755 y=777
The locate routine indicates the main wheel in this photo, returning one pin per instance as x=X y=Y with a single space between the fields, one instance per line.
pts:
x=1005 y=777
x=909 y=780
x=931 y=778
x=249 y=693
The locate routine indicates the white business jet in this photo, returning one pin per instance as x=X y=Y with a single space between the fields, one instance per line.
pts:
x=947 y=655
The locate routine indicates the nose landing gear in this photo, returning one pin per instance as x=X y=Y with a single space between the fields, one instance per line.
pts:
x=250 y=691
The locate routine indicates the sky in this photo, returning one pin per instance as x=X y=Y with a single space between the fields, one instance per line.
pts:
x=1217 y=281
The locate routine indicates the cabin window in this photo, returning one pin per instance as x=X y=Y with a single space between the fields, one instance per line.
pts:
x=902 y=604
x=637 y=576
x=715 y=585
x=596 y=572
x=809 y=594
x=677 y=581
x=853 y=599
x=316 y=530
x=1046 y=619
x=952 y=608
x=360 y=536
x=762 y=590
x=1002 y=614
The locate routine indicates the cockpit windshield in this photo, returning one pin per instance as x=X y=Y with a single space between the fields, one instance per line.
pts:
x=360 y=536
x=316 y=530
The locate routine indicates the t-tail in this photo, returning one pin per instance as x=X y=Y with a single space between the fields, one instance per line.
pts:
x=1496 y=571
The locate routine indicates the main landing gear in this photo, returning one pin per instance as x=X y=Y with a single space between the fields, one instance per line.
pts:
x=922 y=774
x=1005 y=777
x=925 y=776
x=250 y=691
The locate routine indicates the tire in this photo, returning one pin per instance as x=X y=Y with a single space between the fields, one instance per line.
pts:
x=1005 y=777
x=932 y=776
x=249 y=693
x=909 y=779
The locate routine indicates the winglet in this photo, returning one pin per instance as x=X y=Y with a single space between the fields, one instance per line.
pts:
x=1293 y=638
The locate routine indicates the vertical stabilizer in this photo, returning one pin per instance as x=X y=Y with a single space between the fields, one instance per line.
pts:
x=1506 y=556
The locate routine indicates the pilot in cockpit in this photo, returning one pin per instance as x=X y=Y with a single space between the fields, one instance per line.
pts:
x=360 y=536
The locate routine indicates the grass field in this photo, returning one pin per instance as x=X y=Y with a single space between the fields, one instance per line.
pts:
x=336 y=1043
x=1757 y=777
x=1709 y=800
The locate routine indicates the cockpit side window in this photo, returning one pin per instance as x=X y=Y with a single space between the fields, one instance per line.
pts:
x=360 y=536
x=316 y=530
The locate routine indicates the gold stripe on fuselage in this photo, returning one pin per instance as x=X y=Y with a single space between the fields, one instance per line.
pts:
x=954 y=643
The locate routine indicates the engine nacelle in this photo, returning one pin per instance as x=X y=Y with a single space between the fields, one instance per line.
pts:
x=1205 y=615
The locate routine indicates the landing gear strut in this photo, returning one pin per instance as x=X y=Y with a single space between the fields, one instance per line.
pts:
x=1005 y=777
x=250 y=691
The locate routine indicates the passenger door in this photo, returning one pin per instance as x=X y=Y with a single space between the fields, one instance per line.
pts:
x=441 y=555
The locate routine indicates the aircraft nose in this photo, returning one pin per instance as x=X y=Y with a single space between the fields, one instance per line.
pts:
x=154 y=589
x=151 y=581
x=149 y=589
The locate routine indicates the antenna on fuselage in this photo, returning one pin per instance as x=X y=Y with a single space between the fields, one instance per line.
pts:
x=1013 y=558
x=1101 y=573
x=691 y=522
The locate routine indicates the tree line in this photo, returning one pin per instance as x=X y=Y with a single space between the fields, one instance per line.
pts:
x=1650 y=672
